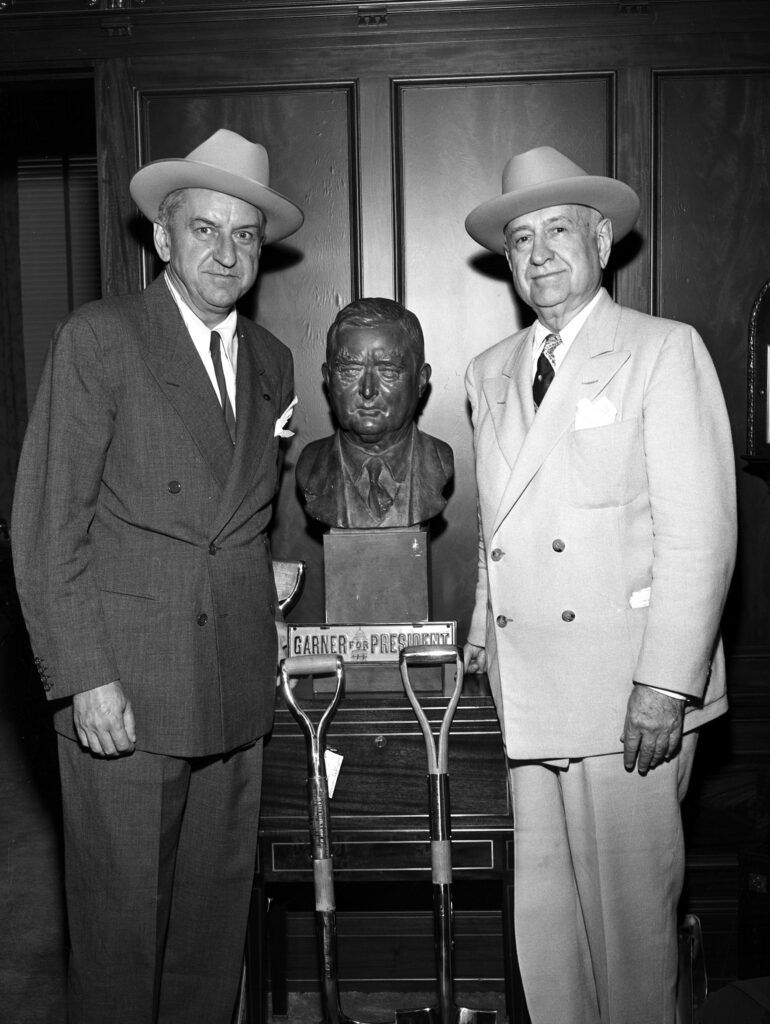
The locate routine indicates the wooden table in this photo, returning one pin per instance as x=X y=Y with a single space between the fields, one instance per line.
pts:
x=381 y=843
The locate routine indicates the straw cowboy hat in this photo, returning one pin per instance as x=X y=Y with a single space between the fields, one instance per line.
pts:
x=225 y=162
x=544 y=177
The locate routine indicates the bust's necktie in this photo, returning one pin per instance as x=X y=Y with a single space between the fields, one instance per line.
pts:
x=546 y=367
x=227 y=409
x=379 y=500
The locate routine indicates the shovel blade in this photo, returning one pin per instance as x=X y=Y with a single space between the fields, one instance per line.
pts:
x=466 y=1016
x=455 y=1015
x=426 y=1015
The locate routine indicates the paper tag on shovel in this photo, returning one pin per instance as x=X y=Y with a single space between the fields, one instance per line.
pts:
x=333 y=762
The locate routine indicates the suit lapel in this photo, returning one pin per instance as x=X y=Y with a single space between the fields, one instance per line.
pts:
x=509 y=398
x=173 y=360
x=256 y=412
x=588 y=367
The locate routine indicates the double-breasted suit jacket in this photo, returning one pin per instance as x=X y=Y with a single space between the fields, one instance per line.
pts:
x=139 y=529
x=605 y=551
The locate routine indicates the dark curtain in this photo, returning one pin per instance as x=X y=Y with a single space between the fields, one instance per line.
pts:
x=13 y=402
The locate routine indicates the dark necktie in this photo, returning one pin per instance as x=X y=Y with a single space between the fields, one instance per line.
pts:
x=379 y=501
x=545 y=368
x=224 y=398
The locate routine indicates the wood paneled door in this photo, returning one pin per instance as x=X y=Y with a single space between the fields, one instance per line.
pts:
x=386 y=169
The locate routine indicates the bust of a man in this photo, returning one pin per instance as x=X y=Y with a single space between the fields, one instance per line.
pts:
x=377 y=469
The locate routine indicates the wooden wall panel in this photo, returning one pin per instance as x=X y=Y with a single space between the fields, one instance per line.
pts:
x=712 y=256
x=453 y=139
x=310 y=134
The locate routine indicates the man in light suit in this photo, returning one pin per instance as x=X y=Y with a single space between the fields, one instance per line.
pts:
x=605 y=477
x=378 y=469
x=142 y=502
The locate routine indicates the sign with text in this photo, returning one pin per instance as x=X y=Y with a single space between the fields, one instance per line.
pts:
x=361 y=643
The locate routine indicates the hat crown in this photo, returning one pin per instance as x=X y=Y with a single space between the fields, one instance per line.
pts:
x=234 y=154
x=538 y=167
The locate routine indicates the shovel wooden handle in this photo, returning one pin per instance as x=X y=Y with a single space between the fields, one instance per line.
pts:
x=311 y=665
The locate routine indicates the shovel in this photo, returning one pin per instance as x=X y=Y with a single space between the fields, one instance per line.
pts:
x=319 y=820
x=446 y=1012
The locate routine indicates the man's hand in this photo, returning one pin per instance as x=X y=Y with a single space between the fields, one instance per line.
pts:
x=474 y=658
x=104 y=720
x=653 y=728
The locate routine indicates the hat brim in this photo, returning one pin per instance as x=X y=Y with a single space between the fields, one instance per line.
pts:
x=612 y=198
x=151 y=184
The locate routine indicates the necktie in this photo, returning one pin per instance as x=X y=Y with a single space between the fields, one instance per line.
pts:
x=224 y=398
x=545 y=368
x=379 y=501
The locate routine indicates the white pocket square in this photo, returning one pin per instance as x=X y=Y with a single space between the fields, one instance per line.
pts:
x=283 y=419
x=599 y=413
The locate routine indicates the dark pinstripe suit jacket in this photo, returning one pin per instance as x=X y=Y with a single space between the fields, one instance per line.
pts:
x=139 y=530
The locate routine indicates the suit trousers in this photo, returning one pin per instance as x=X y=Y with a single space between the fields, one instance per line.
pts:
x=599 y=868
x=159 y=864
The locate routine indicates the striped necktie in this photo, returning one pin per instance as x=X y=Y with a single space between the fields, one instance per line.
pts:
x=546 y=368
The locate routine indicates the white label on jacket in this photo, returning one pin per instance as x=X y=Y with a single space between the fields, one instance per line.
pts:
x=640 y=598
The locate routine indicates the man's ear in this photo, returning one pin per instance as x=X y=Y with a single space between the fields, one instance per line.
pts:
x=162 y=242
x=604 y=240
x=424 y=376
x=325 y=374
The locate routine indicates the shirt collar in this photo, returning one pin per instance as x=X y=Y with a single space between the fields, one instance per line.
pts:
x=199 y=332
x=569 y=332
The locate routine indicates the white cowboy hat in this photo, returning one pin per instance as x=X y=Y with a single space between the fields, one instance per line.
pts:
x=225 y=162
x=544 y=177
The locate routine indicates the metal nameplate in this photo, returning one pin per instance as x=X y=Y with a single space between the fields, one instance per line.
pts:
x=365 y=643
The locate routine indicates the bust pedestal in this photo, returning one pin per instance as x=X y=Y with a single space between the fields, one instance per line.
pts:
x=376 y=602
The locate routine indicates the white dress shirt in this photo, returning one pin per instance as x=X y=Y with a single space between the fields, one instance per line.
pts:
x=567 y=335
x=201 y=335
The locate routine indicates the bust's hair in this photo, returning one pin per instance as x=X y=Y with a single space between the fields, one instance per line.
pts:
x=373 y=313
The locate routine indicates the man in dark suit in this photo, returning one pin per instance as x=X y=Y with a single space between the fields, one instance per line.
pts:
x=378 y=469
x=143 y=495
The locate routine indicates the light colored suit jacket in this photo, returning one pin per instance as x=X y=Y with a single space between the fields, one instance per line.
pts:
x=605 y=552
x=138 y=530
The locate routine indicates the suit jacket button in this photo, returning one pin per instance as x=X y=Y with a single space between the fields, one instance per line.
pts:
x=558 y=545
x=568 y=616
x=212 y=548
x=502 y=621
x=497 y=554
x=174 y=486
x=203 y=619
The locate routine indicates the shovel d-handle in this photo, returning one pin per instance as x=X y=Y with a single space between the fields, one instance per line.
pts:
x=439 y=654
x=318 y=665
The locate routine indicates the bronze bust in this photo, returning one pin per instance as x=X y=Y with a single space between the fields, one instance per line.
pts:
x=377 y=469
